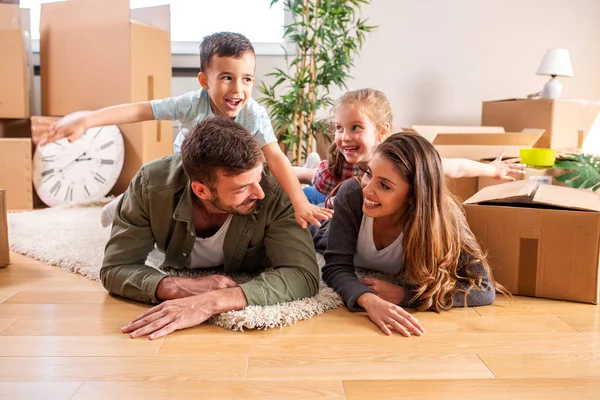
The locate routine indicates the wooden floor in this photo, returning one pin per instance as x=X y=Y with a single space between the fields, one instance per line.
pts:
x=60 y=339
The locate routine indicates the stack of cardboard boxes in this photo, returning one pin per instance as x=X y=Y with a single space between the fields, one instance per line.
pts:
x=16 y=76
x=542 y=239
x=93 y=54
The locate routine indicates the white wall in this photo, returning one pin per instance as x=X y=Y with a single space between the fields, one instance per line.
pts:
x=437 y=60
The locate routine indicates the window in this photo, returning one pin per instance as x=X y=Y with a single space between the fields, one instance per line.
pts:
x=191 y=20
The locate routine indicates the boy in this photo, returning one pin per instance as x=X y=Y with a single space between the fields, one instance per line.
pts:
x=227 y=65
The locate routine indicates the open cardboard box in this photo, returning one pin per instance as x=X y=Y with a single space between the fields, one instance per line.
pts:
x=542 y=240
x=99 y=53
x=16 y=69
x=429 y=132
x=479 y=146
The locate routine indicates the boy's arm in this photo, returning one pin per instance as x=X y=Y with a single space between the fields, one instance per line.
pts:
x=281 y=167
x=498 y=169
x=74 y=125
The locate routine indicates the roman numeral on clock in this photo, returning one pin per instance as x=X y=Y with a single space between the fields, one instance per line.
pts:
x=49 y=158
x=87 y=192
x=69 y=194
x=97 y=133
x=99 y=178
x=106 y=145
x=47 y=172
x=107 y=162
x=56 y=188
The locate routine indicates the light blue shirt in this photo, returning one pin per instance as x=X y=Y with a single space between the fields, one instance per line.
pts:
x=191 y=108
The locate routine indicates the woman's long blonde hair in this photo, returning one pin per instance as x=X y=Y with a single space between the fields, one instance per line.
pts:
x=439 y=247
x=375 y=106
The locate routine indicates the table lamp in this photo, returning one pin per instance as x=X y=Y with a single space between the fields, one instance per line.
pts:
x=556 y=62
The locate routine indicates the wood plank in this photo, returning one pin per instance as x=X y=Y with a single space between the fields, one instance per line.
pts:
x=405 y=366
x=123 y=368
x=58 y=297
x=63 y=346
x=379 y=344
x=583 y=323
x=64 y=326
x=210 y=390
x=125 y=310
x=547 y=365
x=528 y=306
x=38 y=390
x=4 y=323
x=5 y=295
x=489 y=389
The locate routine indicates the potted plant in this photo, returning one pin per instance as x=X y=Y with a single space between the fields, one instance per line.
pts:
x=583 y=171
x=327 y=35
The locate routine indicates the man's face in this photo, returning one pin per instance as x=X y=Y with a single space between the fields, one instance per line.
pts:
x=229 y=82
x=237 y=194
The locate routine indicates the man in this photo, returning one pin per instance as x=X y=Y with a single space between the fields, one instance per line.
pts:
x=211 y=206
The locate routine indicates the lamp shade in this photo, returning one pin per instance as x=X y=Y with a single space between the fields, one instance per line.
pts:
x=556 y=62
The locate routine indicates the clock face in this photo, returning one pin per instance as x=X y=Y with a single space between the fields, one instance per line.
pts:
x=84 y=170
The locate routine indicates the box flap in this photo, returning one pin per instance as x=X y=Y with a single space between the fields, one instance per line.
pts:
x=519 y=192
x=9 y=16
x=561 y=196
x=158 y=16
x=429 y=132
x=530 y=191
x=484 y=139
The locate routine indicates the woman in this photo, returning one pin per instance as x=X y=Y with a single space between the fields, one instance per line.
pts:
x=402 y=220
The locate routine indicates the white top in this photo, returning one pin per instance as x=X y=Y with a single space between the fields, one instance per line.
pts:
x=208 y=252
x=387 y=260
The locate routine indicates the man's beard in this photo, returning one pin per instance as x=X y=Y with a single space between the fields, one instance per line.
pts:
x=216 y=202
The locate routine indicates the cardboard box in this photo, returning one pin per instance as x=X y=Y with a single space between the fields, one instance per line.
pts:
x=16 y=69
x=545 y=176
x=479 y=146
x=16 y=177
x=4 y=249
x=431 y=131
x=542 y=240
x=98 y=53
x=561 y=119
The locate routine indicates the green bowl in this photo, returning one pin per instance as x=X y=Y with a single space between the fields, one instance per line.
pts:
x=538 y=157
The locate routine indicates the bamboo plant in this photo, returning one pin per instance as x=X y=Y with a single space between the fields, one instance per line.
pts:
x=327 y=35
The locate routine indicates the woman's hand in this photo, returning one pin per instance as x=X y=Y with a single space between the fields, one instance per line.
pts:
x=384 y=313
x=386 y=290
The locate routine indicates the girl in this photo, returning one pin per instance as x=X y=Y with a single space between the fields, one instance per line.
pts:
x=363 y=119
x=402 y=220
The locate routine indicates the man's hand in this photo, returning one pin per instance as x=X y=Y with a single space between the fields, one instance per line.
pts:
x=386 y=290
x=309 y=213
x=173 y=287
x=384 y=314
x=184 y=313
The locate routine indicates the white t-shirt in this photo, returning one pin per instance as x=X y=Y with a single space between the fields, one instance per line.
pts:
x=208 y=252
x=387 y=260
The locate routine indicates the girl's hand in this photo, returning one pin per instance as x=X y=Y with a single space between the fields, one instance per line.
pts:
x=504 y=169
x=384 y=314
x=309 y=213
x=386 y=290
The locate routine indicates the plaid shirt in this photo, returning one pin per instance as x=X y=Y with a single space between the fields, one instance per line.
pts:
x=325 y=182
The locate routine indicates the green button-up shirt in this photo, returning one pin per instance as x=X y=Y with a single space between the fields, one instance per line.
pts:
x=156 y=210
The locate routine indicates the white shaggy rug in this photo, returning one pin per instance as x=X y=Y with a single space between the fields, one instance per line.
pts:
x=72 y=238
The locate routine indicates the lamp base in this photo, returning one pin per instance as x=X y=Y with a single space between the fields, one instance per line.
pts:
x=552 y=89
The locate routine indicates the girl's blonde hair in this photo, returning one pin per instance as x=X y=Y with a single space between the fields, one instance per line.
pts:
x=439 y=248
x=376 y=106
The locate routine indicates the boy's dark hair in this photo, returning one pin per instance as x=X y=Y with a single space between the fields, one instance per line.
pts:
x=223 y=44
x=219 y=144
